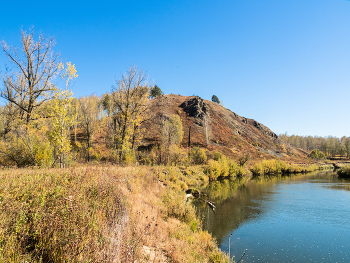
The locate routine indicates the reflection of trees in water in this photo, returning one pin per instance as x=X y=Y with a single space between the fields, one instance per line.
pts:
x=331 y=180
x=239 y=200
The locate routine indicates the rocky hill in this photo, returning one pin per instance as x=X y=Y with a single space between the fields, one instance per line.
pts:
x=213 y=126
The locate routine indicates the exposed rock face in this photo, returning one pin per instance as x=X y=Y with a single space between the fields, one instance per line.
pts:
x=214 y=127
x=264 y=129
x=196 y=108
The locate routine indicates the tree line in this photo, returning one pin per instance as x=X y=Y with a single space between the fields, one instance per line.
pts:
x=331 y=146
x=41 y=118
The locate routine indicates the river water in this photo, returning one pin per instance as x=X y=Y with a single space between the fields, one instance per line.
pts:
x=298 y=218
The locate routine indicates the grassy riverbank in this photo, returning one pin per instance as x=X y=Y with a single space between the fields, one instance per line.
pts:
x=269 y=167
x=110 y=213
x=101 y=214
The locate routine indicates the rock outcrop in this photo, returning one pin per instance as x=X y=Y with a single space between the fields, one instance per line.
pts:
x=196 y=108
x=208 y=124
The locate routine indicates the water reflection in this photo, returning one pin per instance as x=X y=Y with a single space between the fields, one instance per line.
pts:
x=281 y=218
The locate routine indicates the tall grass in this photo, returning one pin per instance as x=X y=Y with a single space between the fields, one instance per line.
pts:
x=100 y=214
x=58 y=216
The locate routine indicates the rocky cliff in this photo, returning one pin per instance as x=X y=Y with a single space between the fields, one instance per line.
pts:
x=227 y=131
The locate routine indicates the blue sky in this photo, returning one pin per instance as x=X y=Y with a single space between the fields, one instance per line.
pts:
x=283 y=63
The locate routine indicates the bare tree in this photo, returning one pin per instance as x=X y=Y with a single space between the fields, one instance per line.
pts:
x=28 y=83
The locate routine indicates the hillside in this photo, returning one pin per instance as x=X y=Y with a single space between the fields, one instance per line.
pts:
x=227 y=132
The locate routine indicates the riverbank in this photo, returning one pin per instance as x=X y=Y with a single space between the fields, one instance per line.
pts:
x=106 y=213
x=101 y=213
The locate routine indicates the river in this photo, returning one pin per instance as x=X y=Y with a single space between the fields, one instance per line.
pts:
x=297 y=218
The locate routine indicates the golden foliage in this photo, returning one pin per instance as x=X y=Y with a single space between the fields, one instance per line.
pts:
x=129 y=109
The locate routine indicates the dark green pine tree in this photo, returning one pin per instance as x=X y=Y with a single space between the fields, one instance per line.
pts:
x=155 y=91
x=215 y=99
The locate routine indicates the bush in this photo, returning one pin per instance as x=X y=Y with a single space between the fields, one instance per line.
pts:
x=218 y=156
x=198 y=155
x=344 y=171
x=257 y=169
x=128 y=157
x=275 y=167
x=243 y=159
x=233 y=170
x=269 y=166
x=222 y=168
x=177 y=155
x=241 y=171
x=213 y=170
x=144 y=158
x=176 y=206
x=317 y=154
x=26 y=147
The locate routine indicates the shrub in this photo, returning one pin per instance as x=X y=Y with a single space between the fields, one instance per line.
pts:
x=243 y=159
x=176 y=206
x=144 y=158
x=177 y=155
x=241 y=171
x=198 y=155
x=128 y=157
x=213 y=170
x=26 y=147
x=222 y=168
x=257 y=169
x=269 y=166
x=233 y=170
x=218 y=156
x=344 y=171
x=317 y=154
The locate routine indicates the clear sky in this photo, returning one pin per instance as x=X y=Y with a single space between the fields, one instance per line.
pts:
x=283 y=63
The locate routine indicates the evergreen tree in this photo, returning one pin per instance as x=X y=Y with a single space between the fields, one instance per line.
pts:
x=155 y=92
x=215 y=99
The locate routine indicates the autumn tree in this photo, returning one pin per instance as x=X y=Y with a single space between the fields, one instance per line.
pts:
x=9 y=117
x=172 y=134
x=75 y=111
x=62 y=116
x=89 y=114
x=28 y=84
x=347 y=146
x=317 y=154
x=129 y=109
x=106 y=105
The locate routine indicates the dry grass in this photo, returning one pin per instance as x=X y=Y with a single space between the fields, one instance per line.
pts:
x=98 y=214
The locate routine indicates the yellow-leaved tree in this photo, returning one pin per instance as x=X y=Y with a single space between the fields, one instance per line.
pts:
x=61 y=114
x=129 y=110
x=89 y=120
x=172 y=134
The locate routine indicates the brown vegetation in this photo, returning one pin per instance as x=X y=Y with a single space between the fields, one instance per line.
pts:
x=99 y=214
